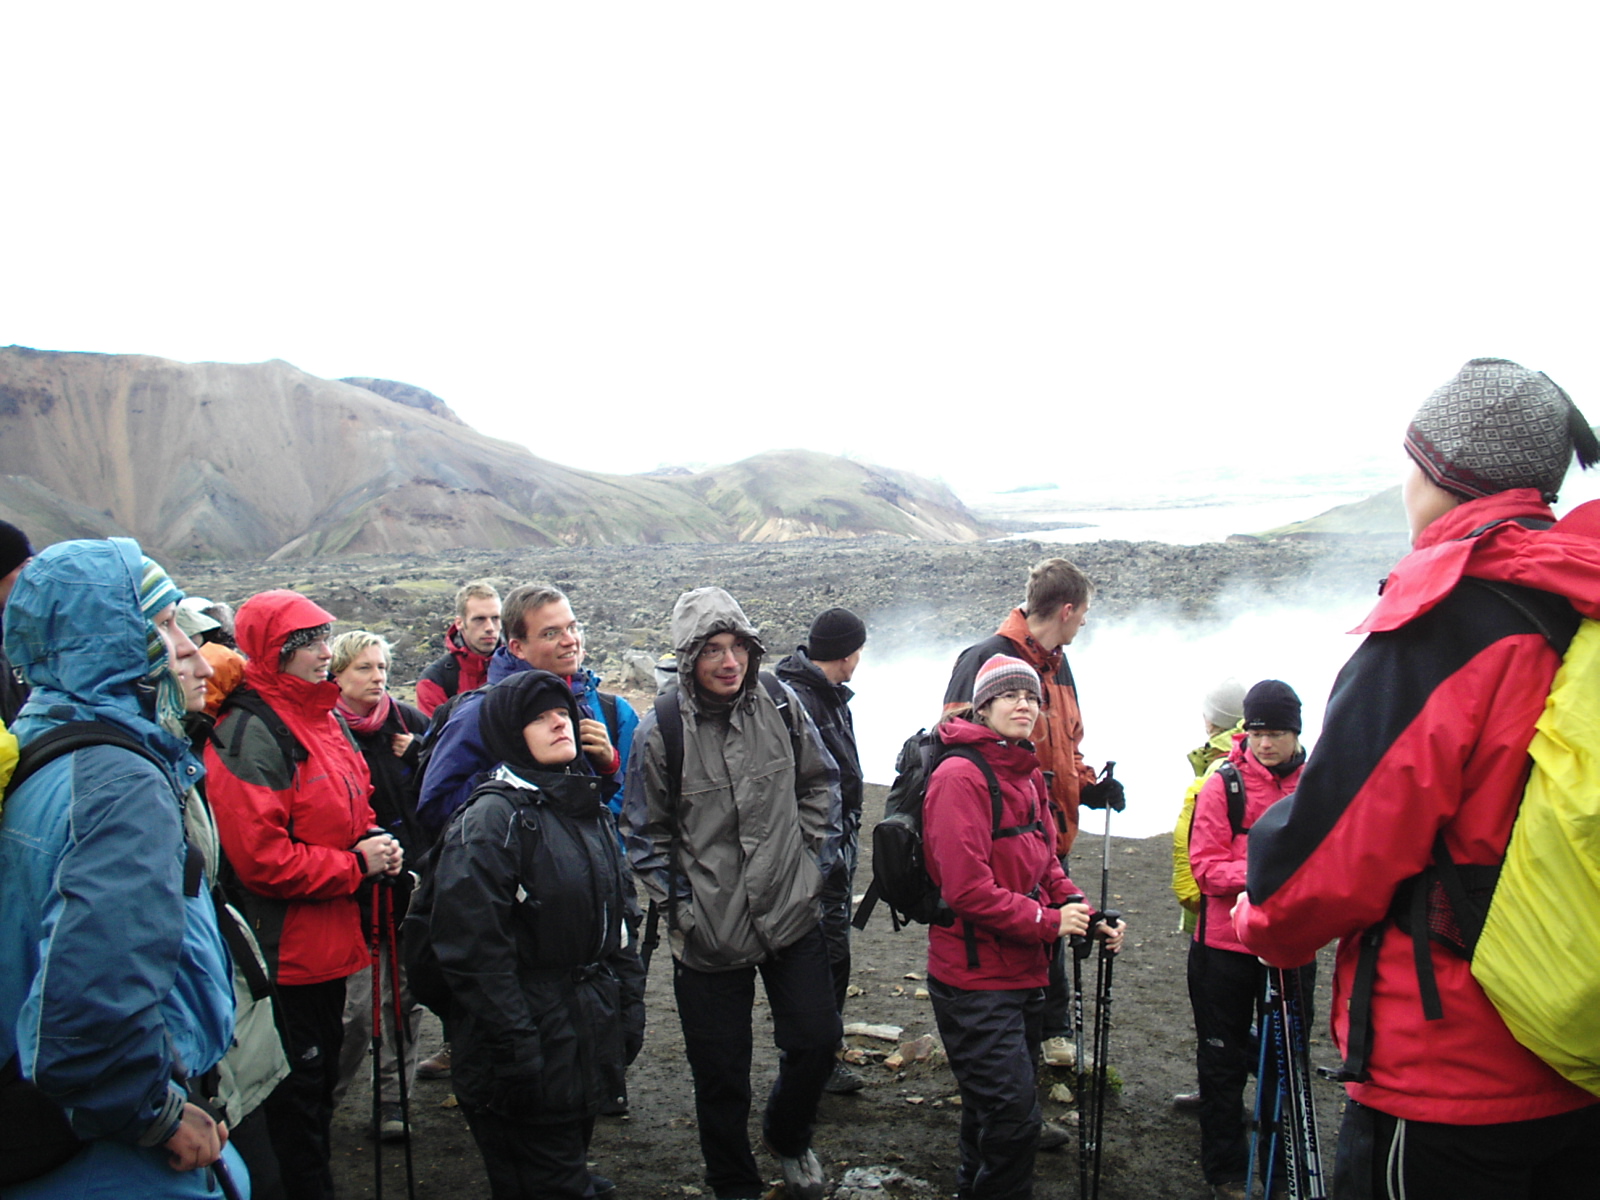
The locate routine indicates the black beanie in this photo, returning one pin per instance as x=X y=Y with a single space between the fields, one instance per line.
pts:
x=837 y=633
x=509 y=705
x=14 y=548
x=1272 y=704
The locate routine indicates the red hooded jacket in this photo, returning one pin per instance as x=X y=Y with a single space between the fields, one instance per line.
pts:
x=289 y=828
x=1427 y=733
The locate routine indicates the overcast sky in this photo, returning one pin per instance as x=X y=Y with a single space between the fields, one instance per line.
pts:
x=1015 y=241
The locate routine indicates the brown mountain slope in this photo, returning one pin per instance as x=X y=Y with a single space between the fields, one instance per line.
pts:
x=257 y=460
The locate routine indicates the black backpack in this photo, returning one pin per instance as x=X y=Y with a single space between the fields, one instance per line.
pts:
x=899 y=866
x=424 y=975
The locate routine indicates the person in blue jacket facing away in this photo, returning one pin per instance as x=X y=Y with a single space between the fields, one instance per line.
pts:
x=116 y=989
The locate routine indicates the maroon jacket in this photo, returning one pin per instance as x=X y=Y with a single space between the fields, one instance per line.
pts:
x=987 y=881
x=1427 y=732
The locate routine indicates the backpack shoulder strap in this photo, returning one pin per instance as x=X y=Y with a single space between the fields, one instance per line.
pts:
x=669 y=720
x=75 y=735
x=253 y=702
x=608 y=714
x=1233 y=787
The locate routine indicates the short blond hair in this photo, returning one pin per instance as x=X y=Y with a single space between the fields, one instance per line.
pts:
x=347 y=646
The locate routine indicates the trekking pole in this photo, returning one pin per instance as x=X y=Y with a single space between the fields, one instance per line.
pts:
x=1102 y=1044
x=373 y=943
x=1302 y=1140
x=1079 y=949
x=1265 y=1116
x=1105 y=847
x=402 y=1031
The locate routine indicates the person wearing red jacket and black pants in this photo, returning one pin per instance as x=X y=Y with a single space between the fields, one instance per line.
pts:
x=987 y=971
x=1425 y=744
x=298 y=831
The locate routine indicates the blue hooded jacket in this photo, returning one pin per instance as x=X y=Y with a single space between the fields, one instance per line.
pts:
x=113 y=984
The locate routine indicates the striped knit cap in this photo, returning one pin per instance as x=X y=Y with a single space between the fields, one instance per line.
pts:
x=156 y=592
x=1002 y=673
x=1498 y=426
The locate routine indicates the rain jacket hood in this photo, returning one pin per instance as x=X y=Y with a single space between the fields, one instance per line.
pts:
x=699 y=616
x=75 y=630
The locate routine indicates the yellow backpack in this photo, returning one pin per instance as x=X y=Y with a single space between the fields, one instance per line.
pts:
x=1538 y=958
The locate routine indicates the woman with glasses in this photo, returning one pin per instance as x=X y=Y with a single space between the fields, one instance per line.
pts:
x=987 y=971
x=1226 y=980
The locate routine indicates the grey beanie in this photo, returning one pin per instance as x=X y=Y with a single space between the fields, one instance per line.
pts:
x=1498 y=426
x=1224 y=704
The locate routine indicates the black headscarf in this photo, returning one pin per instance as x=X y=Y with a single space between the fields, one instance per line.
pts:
x=507 y=709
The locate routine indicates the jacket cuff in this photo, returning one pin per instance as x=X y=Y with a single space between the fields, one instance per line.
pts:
x=159 y=1131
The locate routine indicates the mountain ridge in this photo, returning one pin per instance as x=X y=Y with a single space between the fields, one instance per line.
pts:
x=264 y=460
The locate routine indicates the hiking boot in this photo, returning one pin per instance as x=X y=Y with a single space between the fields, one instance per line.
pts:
x=437 y=1067
x=802 y=1176
x=1229 y=1191
x=1059 y=1052
x=600 y=1188
x=1186 y=1100
x=391 y=1122
x=843 y=1081
x=1053 y=1136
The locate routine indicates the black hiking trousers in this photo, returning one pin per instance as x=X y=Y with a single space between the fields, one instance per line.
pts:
x=1384 y=1158
x=992 y=1040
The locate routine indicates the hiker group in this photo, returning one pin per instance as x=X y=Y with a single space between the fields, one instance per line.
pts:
x=232 y=863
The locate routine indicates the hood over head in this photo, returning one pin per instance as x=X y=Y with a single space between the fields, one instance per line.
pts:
x=510 y=705
x=76 y=630
x=700 y=615
x=263 y=625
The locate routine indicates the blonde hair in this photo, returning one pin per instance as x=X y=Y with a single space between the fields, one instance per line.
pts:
x=347 y=646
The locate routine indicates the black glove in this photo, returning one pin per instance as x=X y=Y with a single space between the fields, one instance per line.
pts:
x=1107 y=793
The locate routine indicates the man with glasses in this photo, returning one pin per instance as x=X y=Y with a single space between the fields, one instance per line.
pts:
x=732 y=820
x=541 y=634
x=1053 y=611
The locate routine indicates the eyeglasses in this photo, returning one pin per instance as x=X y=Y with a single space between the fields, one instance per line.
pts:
x=556 y=632
x=1269 y=734
x=1019 y=698
x=711 y=652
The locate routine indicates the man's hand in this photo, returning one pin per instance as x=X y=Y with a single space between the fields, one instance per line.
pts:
x=596 y=743
x=198 y=1141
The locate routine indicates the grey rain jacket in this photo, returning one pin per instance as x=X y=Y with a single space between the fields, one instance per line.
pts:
x=755 y=831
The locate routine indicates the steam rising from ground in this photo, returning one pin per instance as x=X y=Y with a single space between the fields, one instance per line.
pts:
x=1141 y=679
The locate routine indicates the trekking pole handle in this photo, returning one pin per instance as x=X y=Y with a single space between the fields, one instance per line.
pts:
x=1077 y=940
x=1109 y=768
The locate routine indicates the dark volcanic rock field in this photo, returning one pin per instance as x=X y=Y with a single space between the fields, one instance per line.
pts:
x=905 y=589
